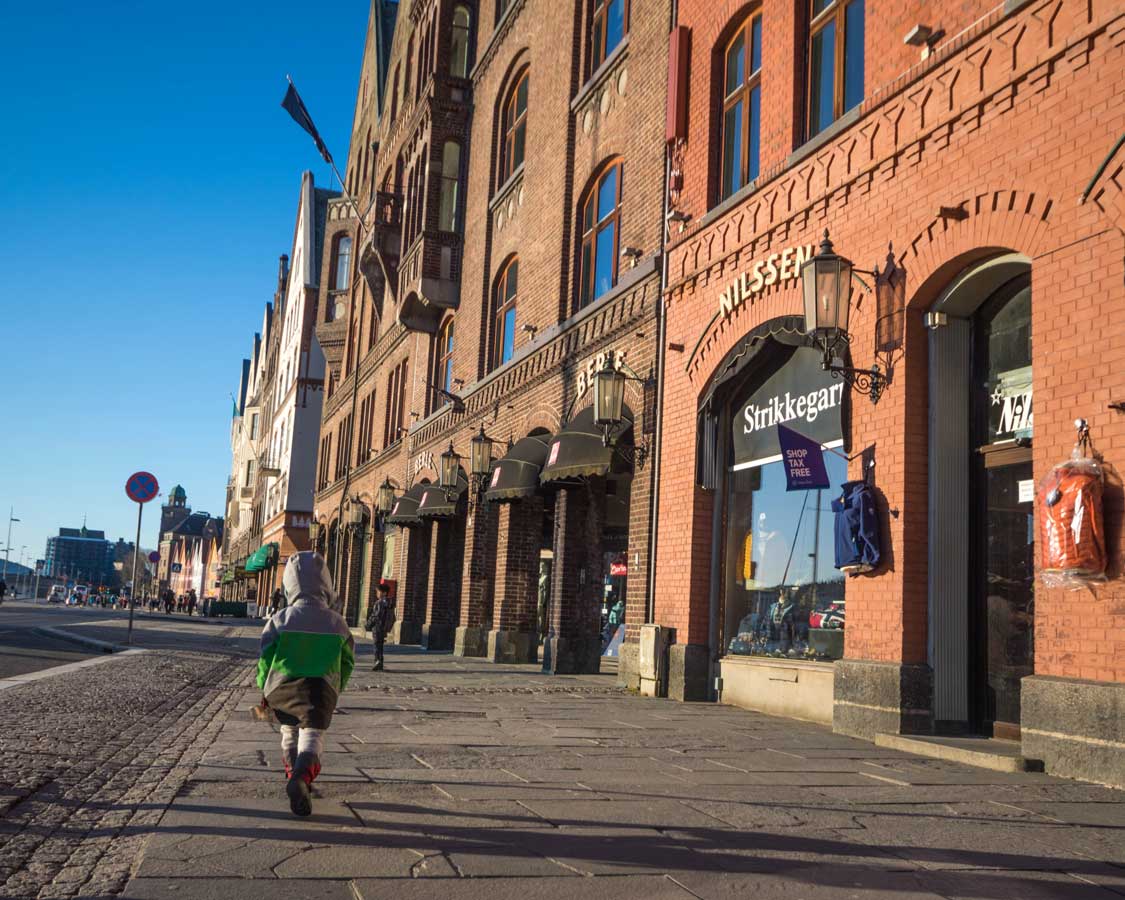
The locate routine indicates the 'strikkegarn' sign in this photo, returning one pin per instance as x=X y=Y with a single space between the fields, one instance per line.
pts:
x=803 y=460
x=774 y=269
x=800 y=394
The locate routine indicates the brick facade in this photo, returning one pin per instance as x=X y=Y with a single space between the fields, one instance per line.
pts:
x=985 y=146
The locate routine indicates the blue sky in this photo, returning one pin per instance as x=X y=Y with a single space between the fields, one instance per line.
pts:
x=148 y=184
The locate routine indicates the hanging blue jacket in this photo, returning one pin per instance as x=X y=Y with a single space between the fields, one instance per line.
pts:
x=857 y=529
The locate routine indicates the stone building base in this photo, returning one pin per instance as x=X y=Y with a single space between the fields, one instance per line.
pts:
x=511 y=647
x=1077 y=728
x=793 y=688
x=574 y=656
x=470 y=641
x=880 y=697
x=436 y=637
x=688 y=671
x=628 y=667
x=406 y=632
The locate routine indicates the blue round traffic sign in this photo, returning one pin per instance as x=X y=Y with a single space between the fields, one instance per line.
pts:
x=142 y=487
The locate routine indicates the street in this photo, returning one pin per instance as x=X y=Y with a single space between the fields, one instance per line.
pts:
x=450 y=777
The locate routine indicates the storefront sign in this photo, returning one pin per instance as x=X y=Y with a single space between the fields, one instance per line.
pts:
x=423 y=461
x=1010 y=412
x=804 y=461
x=774 y=269
x=800 y=393
x=592 y=366
x=619 y=568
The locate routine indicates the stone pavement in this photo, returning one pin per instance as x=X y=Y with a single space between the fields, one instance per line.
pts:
x=451 y=778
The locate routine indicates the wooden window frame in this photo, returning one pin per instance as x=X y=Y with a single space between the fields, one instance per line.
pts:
x=443 y=353
x=599 y=53
x=452 y=182
x=586 y=279
x=468 y=29
x=834 y=12
x=501 y=305
x=741 y=94
x=511 y=119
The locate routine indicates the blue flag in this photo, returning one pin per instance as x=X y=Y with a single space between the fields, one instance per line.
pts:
x=803 y=460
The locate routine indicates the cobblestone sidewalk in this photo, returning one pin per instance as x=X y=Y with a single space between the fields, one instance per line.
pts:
x=91 y=760
x=451 y=778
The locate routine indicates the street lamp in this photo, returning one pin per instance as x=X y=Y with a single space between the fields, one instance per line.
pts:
x=385 y=501
x=357 y=512
x=481 y=453
x=314 y=532
x=450 y=467
x=826 y=282
x=8 y=546
x=609 y=403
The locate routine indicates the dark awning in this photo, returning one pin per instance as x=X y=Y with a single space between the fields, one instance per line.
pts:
x=436 y=504
x=516 y=474
x=579 y=450
x=405 y=510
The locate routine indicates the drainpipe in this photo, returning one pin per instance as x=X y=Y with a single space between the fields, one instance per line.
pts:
x=661 y=336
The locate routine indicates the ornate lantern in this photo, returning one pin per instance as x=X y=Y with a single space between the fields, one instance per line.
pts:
x=386 y=499
x=481 y=453
x=450 y=467
x=826 y=280
x=609 y=396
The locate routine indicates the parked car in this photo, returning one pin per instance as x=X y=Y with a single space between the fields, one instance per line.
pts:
x=57 y=594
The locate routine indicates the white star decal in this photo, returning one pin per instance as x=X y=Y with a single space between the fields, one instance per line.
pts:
x=997 y=396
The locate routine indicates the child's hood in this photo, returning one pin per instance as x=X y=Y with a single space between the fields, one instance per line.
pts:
x=306 y=579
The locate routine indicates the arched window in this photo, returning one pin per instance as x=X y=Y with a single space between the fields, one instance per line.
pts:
x=448 y=219
x=514 y=128
x=459 y=43
x=443 y=364
x=835 y=60
x=409 y=64
x=600 y=226
x=608 y=26
x=341 y=263
x=394 y=95
x=742 y=105
x=504 y=321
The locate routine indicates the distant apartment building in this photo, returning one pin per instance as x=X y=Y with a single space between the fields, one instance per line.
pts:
x=80 y=554
x=190 y=544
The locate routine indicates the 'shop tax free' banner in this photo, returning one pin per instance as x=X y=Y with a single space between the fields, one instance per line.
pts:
x=803 y=460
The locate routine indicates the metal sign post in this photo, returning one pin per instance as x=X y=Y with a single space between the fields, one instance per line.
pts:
x=140 y=488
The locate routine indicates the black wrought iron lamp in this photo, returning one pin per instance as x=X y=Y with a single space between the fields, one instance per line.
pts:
x=826 y=280
x=450 y=468
x=314 y=531
x=609 y=402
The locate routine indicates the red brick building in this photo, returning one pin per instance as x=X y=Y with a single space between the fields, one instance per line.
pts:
x=510 y=178
x=982 y=140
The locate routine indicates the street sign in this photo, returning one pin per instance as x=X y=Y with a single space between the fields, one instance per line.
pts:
x=177 y=567
x=142 y=487
x=154 y=557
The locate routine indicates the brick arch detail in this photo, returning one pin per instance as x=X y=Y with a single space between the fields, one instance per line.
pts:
x=1005 y=219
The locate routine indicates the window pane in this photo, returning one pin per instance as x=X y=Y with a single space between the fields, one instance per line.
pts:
x=756 y=45
x=820 y=6
x=509 y=334
x=736 y=57
x=459 y=53
x=447 y=377
x=451 y=159
x=512 y=281
x=605 y=253
x=755 y=133
x=596 y=42
x=822 y=78
x=614 y=24
x=447 y=213
x=853 y=55
x=449 y=338
x=521 y=96
x=732 y=150
x=587 y=262
x=343 y=263
x=518 y=145
x=780 y=566
x=607 y=193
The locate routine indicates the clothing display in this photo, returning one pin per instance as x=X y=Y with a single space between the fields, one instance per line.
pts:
x=858 y=543
x=1071 y=524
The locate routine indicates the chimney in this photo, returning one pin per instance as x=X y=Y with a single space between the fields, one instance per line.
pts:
x=283 y=272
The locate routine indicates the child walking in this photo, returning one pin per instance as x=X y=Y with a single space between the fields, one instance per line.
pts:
x=307 y=656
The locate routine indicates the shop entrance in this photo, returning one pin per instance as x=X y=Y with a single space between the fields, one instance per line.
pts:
x=1002 y=593
x=981 y=560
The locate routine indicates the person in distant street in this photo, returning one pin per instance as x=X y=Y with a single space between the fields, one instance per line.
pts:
x=3 y=589
x=191 y=601
x=379 y=619
x=307 y=657
x=169 y=601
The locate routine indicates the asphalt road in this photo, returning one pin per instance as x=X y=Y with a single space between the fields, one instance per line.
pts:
x=23 y=651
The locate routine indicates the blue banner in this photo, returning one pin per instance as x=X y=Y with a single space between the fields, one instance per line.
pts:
x=803 y=460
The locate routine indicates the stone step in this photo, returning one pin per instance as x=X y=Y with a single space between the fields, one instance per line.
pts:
x=985 y=753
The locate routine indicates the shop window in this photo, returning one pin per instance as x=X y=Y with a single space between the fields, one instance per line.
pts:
x=448 y=219
x=600 y=227
x=514 y=128
x=459 y=43
x=504 y=319
x=742 y=106
x=443 y=369
x=835 y=73
x=608 y=26
x=782 y=596
x=341 y=265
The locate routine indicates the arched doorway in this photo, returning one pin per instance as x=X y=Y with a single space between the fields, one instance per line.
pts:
x=981 y=603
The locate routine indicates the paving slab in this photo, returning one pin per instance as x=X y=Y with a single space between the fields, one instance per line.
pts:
x=244 y=889
x=517 y=888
